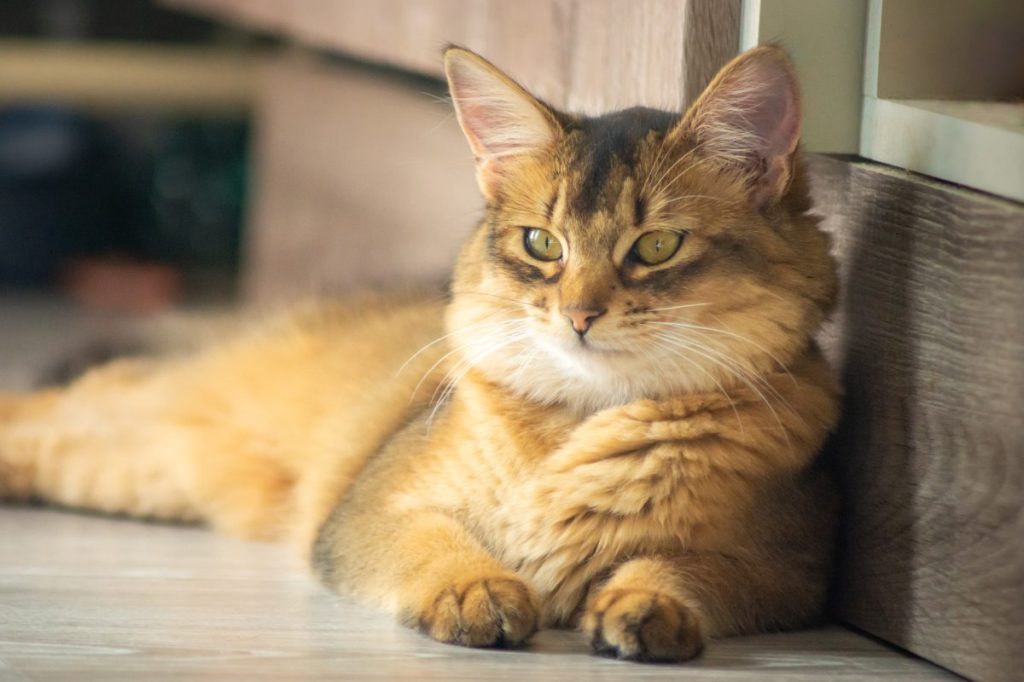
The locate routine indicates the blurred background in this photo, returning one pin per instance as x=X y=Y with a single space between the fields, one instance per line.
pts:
x=124 y=139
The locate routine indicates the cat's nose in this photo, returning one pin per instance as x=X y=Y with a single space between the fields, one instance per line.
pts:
x=582 y=318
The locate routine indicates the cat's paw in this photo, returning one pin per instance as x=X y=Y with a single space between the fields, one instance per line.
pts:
x=490 y=611
x=642 y=625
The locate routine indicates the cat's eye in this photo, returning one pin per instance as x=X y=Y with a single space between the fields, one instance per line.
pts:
x=656 y=247
x=541 y=244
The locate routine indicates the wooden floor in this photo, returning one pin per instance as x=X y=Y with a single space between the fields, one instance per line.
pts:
x=92 y=598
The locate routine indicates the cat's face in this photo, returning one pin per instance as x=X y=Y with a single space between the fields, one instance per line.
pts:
x=636 y=255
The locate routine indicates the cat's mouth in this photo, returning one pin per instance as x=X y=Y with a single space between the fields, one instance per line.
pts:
x=590 y=347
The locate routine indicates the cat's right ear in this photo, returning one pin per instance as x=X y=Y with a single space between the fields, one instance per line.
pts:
x=500 y=119
x=748 y=120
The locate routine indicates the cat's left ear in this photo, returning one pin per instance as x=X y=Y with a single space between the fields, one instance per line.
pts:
x=748 y=119
x=500 y=119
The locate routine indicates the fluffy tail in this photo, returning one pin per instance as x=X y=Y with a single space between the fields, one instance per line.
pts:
x=127 y=439
x=70 y=446
x=17 y=472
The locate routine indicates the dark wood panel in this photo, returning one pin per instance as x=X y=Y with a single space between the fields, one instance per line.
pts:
x=929 y=340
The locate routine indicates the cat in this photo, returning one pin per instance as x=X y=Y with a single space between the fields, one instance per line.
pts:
x=611 y=423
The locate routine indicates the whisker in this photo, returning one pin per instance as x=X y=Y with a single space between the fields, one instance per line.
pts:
x=523 y=365
x=734 y=335
x=503 y=298
x=451 y=381
x=685 y=197
x=676 y=307
x=674 y=351
x=747 y=372
x=737 y=371
x=441 y=338
x=659 y=185
x=656 y=167
x=456 y=349
x=683 y=171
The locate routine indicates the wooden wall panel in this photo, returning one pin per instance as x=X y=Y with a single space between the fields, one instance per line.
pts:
x=929 y=341
x=711 y=38
x=590 y=55
x=363 y=180
x=656 y=53
x=618 y=45
x=532 y=40
x=407 y=34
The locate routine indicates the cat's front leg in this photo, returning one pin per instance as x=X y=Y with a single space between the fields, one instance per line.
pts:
x=663 y=608
x=644 y=613
x=431 y=573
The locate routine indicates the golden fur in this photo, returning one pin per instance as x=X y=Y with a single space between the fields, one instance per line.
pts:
x=478 y=467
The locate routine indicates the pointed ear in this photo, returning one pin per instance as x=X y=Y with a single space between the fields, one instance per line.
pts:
x=749 y=119
x=500 y=119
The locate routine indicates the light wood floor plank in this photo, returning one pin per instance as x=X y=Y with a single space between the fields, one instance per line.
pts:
x=91 y=598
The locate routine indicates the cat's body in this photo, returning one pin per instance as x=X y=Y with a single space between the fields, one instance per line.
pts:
x=648 y=475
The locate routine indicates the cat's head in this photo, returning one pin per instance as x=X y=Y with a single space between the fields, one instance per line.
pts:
x=640 y=254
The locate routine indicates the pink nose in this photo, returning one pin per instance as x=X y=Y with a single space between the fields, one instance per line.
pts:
x=582 y=318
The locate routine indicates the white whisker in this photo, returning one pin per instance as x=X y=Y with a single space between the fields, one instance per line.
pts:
x=677 y=307
x=439 y=340
x=664 y=345
x=738 y=371
x=764 y=383
x=734 y=335
x=457 y=373
x=461 y=347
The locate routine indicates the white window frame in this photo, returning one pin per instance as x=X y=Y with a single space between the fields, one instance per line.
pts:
x=837 y=46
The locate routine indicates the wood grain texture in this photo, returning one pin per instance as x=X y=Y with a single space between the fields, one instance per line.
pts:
x=656 y=53
x=930 y=342
x=86 y=598
x=589 y=55
x=711 y=38
x=534 y=40
x=364 y=180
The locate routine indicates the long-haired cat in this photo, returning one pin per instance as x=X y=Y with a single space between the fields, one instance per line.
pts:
x=611 y=423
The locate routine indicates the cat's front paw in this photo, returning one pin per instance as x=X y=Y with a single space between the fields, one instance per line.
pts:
x=490 y=611
x=642 y=625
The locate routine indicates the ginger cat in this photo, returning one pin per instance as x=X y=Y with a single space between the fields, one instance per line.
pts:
x=612 y=423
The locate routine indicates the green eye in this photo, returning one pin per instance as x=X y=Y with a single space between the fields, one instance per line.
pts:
x=541 y=244
x=656 y=247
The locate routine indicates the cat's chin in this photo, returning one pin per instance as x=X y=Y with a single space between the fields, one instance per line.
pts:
x=586 y=377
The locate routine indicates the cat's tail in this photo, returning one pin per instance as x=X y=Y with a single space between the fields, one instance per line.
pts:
x=127 y=438
x=92 y=445
x=17 y=471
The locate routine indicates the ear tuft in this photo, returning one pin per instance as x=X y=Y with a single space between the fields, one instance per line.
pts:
x=749 y=119
x=498 y=116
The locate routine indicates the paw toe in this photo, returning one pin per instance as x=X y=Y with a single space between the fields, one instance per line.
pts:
x=642 y=625
x=483 y=612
